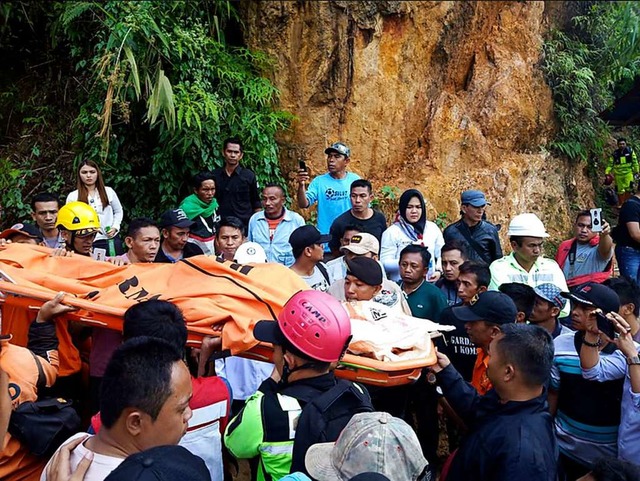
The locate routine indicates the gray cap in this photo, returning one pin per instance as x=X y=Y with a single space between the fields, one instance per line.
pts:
x=340 y=148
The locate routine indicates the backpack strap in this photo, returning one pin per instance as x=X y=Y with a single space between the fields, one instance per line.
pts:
x=324 y=272
x=466 y=233
x=42 y=380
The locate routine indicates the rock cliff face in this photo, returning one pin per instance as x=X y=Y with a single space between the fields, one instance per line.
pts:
x=440 y=96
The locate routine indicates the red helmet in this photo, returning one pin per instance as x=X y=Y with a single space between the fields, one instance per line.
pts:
x=314 y=322
x=608 y=179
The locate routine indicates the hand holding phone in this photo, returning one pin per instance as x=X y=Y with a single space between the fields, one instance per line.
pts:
x=605 y=326
x=596 y=220
x=303 y=173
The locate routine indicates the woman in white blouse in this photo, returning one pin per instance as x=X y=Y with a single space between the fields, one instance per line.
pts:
x=411 y=226
x=105 y=202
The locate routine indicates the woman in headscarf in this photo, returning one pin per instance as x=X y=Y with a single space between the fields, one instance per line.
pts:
x=411 y=226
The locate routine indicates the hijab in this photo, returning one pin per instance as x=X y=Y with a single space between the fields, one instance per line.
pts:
x=413 y=230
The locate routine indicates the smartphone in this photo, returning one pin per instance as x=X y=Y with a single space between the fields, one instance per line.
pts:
x=596 y=220
x=605 y=325
x=302 y=165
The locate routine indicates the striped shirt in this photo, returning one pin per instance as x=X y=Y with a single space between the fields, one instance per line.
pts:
x=588 y=411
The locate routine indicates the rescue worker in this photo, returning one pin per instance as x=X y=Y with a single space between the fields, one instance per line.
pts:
x=78 y=224
x=623 y=163
x=310 y=336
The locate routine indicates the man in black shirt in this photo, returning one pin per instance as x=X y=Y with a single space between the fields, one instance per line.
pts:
x=236 y=186
x=627 y=238
x=175 y=227
x=361 y=214
x=473 y=279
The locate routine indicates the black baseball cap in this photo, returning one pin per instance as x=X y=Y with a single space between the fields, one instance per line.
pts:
x=268 y=331
x=365 y=269
x=489 y=306
x=305 y=236
x=28 y=230
x=162 y=463
x=174 y=218
x=596 y=295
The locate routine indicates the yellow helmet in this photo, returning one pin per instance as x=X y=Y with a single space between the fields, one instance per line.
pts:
x=78 y=217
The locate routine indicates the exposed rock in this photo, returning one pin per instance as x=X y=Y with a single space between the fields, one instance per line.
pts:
x=445 y=96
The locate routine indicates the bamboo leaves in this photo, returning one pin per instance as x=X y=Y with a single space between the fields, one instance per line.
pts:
x=161 y=101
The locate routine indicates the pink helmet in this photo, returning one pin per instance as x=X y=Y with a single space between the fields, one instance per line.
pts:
x=314 y=322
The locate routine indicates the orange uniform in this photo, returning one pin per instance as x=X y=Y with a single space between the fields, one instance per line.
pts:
x=480 y=380
x=16 y=463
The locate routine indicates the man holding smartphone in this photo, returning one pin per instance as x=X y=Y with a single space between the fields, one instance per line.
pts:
x=331 y=190
x=587 y=412
x=587 y=257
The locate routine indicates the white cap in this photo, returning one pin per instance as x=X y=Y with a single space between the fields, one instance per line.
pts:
x=250 y=253
x=527 y=225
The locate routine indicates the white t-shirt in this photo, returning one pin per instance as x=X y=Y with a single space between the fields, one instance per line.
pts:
x=100 y=468
x=317 y=280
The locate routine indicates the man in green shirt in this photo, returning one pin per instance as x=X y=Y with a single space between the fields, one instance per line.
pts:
x=425 y=300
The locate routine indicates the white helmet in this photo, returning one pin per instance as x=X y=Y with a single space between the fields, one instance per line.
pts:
x=250 y=253
x=527 y=225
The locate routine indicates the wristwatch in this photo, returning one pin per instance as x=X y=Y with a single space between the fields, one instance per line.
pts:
x=633 y=361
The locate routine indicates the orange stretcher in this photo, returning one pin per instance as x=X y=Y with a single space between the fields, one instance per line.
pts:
x=210 y=292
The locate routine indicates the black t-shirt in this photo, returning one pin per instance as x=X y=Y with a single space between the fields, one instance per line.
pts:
x=630 y=212
x=190 y=250
x=237 y=194
x=457 y=345
x=374 y=225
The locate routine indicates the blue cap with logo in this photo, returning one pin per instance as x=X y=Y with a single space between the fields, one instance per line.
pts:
x=340 y=148
x=475 y=198
x=551 y=293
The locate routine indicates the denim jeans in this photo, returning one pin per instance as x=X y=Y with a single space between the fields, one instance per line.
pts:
x=628 y=262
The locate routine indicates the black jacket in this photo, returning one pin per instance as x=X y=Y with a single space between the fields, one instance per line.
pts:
x=486 y=244
x=514 y=441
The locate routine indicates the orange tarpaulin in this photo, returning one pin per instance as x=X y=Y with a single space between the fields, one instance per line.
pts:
x=208 y=291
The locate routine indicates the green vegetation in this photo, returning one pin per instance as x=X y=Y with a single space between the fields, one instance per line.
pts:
x=151 y=88
x=587 y=66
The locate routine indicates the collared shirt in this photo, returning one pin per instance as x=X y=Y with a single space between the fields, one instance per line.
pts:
x=480 y=380
x=54 y=242
x=615 y=367
x=426 y=302
x=237 y=193
x=544 y=270
x=277 y=248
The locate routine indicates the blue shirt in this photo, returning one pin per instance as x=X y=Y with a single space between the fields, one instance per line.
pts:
x=332 y=196
x=615 y=367
x=277 y=248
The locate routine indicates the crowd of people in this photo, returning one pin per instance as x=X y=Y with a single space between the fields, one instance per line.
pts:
x=540 y=379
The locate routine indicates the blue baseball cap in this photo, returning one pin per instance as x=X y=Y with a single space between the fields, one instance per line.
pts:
x=551 y=293
x=475 y=198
